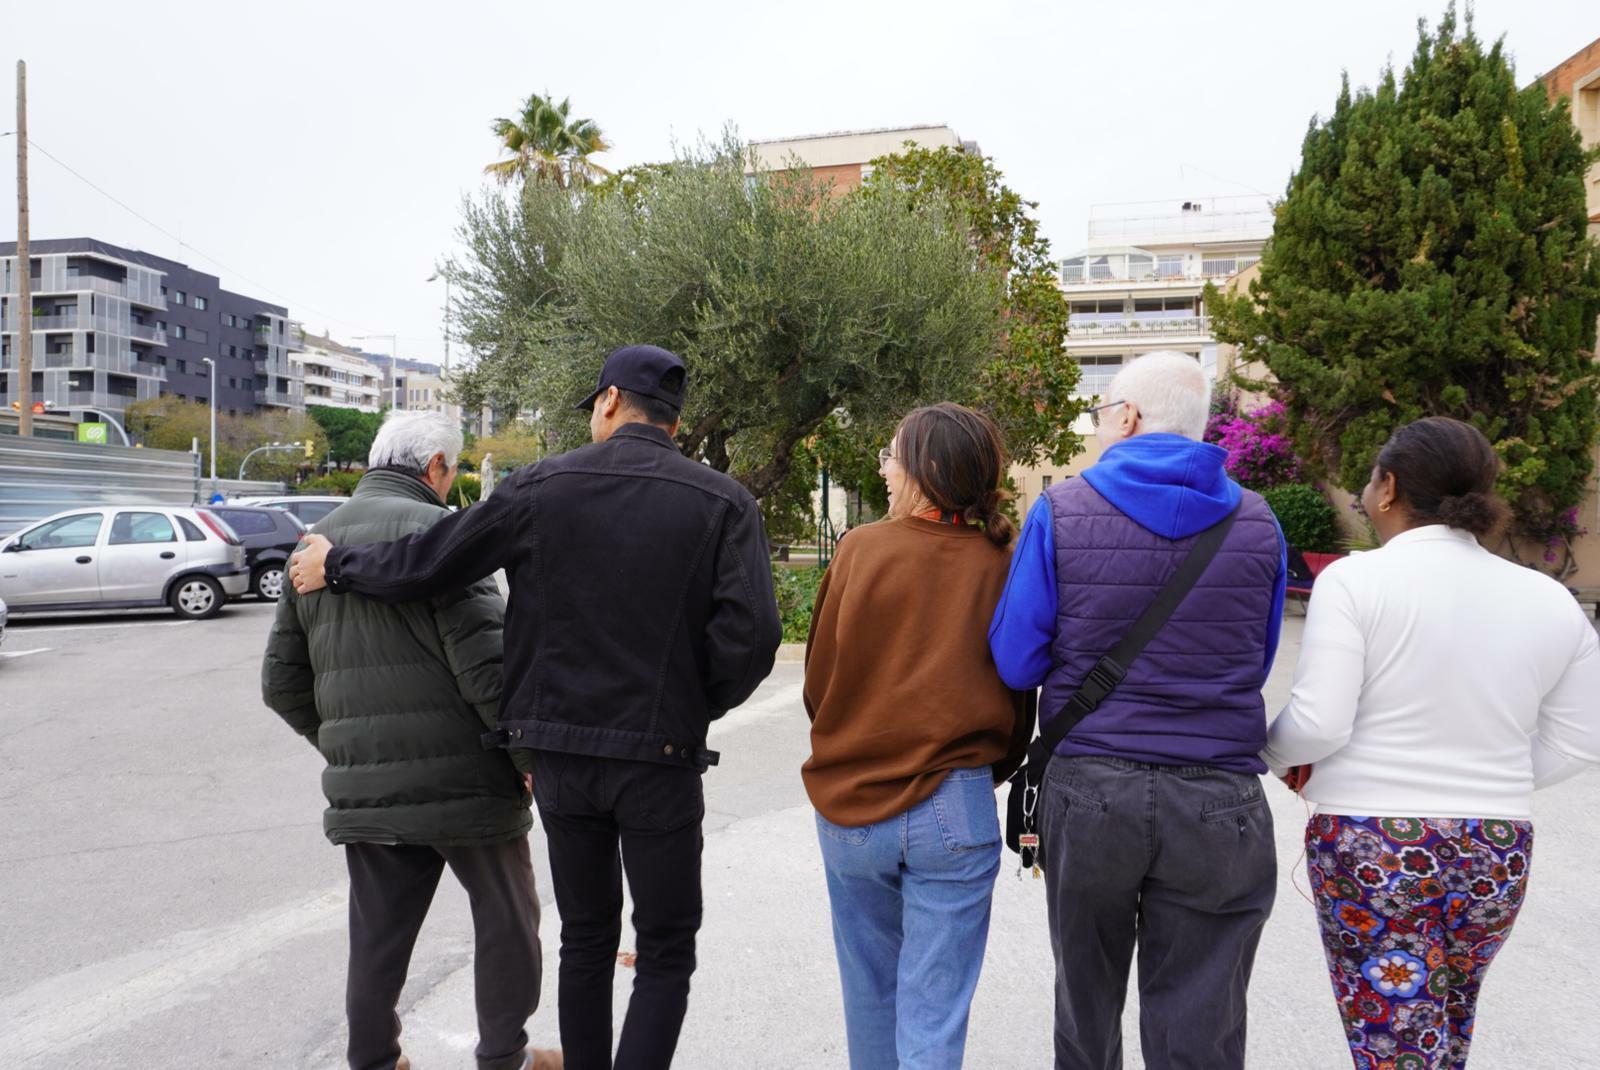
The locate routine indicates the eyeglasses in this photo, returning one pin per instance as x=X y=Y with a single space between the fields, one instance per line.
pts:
x=1094 y=413
x=885 y=455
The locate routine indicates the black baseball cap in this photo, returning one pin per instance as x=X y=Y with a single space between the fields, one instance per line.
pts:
x=646 y=370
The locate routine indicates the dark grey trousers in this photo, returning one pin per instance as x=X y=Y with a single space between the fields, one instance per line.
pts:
x=1178 y=861
x=391 y=888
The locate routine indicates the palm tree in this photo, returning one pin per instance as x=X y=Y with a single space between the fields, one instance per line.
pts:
x=544 y=141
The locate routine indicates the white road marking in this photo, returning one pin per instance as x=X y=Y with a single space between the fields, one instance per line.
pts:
x=779 y=703
x=48 y=629
x=25 y=653
x=73 y=1009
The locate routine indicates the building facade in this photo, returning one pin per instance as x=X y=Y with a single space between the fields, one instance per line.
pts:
x=1137 y=287
x=424 y=389
x=112 y=326
x=844 y=158
x=1578 y=79
x=338 y=375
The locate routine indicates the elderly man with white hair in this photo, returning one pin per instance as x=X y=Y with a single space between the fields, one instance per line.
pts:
x=397 y=698
x=1155 y=833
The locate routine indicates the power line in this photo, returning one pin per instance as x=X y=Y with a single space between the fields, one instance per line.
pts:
x=163 y=230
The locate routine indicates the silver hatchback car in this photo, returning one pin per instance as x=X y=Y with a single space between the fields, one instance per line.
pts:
x=123 y=557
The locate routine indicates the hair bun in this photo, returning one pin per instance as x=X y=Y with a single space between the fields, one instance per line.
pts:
x=1479 y=512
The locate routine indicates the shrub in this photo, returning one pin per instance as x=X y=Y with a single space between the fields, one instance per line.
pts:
x=1309 y=523
x=1260 y=453
x=331 y=483
x=797 y=593
x=464 y=491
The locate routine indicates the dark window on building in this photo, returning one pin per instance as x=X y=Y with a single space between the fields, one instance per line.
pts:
x=183 y=368
x=199 y=302
x=197 y=335
x=179 y=331
x=177 y=297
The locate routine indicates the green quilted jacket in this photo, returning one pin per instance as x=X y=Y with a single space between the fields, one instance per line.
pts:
x=398 y=697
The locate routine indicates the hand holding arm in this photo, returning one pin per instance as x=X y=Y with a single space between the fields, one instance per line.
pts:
x=459 y=550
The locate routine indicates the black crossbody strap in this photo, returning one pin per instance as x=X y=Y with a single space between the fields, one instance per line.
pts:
x=1109 y=670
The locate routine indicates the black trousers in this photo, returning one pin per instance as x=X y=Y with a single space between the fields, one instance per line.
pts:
x=603 y=817
x=391 y=888
x=1177 y=862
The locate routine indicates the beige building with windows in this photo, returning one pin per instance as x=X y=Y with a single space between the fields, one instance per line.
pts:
x=1136 y=288
x=424 y=391
x=844 y=158
x=1578 y=79
x=337 y=375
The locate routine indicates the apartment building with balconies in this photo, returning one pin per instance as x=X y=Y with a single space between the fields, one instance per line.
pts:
x=113 y=325
x=1137 y=287
x=338 y=375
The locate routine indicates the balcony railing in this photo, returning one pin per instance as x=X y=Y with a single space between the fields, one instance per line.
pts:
x=1101 y=274
x=1208 y=219
x=1082 y=327
x=148 y=332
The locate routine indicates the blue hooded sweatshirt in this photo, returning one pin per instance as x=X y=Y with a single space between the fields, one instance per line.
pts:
x=1169 y=485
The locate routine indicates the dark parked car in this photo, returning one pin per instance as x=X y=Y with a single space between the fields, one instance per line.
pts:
x=309 y=508
x=269 y=537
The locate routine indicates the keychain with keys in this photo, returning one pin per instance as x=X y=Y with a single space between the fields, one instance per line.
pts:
x=1029 y=844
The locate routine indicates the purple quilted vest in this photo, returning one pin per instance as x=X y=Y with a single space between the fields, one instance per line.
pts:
x=1194 y=696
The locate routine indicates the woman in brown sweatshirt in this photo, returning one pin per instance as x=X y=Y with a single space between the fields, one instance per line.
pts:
x=911 y=728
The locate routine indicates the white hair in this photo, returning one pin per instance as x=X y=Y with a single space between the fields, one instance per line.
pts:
x=1170 y=390
x=410 y=439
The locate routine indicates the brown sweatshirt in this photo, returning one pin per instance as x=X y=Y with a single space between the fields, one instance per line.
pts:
x=900 y=685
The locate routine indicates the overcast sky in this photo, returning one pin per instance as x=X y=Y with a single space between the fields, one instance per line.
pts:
x=315 y=154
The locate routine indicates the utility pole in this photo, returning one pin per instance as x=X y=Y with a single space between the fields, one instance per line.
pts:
x=24 y=266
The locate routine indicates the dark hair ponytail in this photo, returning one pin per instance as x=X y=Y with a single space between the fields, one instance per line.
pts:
x=956 y=458
x=1444 y=470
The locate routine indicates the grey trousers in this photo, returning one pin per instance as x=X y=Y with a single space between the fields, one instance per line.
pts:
x=1177 y=861
x=391 y=888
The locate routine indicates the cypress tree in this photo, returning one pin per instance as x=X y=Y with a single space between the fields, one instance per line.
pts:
x=1431 y=257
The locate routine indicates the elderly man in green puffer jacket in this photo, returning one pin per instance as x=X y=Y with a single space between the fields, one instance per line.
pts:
x=397 y=698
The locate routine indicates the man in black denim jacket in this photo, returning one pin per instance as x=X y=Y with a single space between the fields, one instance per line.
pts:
x=641 y=609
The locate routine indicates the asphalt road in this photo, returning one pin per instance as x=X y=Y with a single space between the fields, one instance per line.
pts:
x=167 y=899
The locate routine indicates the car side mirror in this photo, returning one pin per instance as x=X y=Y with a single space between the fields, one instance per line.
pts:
x=14 y=547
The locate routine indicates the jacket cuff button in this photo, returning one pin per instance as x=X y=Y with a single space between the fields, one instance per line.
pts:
x=667 y=749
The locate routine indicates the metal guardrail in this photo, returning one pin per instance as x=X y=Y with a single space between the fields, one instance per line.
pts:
x=40 y=477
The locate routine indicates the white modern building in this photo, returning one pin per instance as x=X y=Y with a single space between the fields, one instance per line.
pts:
x=337 y=375
x=1136 y=287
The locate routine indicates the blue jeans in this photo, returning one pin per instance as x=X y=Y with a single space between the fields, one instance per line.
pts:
x=910 y=899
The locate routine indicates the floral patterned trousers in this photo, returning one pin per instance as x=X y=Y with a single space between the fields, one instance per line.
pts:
x=1412 y=911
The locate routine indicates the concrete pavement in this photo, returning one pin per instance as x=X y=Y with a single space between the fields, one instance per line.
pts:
x=169 y=900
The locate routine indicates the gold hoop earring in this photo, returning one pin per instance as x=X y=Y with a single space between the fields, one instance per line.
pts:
x=1384 y=508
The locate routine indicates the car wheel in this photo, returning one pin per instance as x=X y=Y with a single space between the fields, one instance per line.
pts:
x=197 y=597
x=268 y=583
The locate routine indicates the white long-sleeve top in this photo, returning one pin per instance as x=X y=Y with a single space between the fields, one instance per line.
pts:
x=1438 y=680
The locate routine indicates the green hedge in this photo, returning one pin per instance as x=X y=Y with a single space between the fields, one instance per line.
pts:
x=797 y=592
x=331 y=483
x=1309 y=523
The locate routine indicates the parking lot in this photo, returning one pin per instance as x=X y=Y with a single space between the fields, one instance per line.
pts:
x=169 y=900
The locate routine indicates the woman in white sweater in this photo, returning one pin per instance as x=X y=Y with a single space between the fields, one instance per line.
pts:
x=1438 y=686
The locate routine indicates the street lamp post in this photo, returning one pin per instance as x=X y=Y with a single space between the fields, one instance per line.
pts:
x=72 y=384
x=265 y=449
x=435 y=277
x=213 y=400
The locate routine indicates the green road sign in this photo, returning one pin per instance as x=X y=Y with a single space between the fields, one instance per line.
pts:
x=92 y=432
